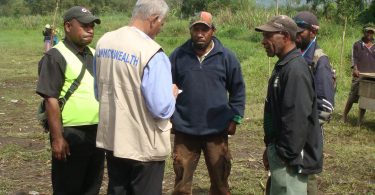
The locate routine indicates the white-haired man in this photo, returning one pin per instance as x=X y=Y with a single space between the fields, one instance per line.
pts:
x=137 y=98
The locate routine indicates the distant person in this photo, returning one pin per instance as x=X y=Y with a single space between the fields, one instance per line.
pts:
x=137 y=98
x=47 y=34
x=77 y=165
x=208 y=109
x=363 y=61
x=292 y=133
x=324 y=77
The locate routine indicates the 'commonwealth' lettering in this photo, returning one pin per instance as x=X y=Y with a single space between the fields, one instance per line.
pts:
x=117 y=55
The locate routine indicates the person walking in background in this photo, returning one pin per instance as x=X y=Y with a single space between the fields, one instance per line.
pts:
x=47 y=34
x=72 y=110
x=292 y=133
x=137 y=98
x=208 y=109
x=363 y=61
x=324 y=77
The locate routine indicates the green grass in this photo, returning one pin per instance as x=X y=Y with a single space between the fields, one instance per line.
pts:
x=24 y=150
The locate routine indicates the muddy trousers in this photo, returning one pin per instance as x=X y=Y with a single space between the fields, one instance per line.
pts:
x=186 y=153
x=130 y=177
x=285 y=180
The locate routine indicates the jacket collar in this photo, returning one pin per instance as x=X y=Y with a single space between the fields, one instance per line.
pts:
x=289 y=56
x=309 y=54
x=218 y=47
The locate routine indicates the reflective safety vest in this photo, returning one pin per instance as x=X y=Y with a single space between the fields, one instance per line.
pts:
x=81 y=108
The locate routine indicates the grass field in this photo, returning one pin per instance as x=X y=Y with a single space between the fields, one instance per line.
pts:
x=24 y=149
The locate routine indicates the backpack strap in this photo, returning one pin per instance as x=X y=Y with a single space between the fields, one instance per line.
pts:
x=72 y=87
x=317 y=55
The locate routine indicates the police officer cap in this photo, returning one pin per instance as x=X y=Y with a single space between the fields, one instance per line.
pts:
x=81 y=14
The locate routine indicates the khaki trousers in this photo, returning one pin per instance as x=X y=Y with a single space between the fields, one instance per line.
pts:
x=186 y=153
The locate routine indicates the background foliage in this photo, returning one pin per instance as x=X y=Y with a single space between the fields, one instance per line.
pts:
x=349 y=152
x=354 y=10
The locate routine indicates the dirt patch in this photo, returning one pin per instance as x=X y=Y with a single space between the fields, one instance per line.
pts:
x=25 y=143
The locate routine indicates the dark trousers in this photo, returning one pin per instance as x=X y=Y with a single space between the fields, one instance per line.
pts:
x=82 y=172
x=130 y=177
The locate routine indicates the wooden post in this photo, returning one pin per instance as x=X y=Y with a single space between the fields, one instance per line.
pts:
x=54 y=22
x=269 y=67
x=277 y=7
x=342 y=49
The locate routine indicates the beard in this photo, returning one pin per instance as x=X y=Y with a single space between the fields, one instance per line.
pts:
x=303 y=44
x=200 y=46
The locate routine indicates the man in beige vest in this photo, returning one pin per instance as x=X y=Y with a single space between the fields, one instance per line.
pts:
x=137 y=98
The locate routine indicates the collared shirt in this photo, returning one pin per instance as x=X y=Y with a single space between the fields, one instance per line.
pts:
x=206 y=54
x=52 y=67
x=156 y=84
x=156 y=90
x=363 y=57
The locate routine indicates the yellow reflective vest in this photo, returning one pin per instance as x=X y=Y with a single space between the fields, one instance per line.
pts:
x=81 y=108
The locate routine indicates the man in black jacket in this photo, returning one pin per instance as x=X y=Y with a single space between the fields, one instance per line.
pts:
x=292 y=133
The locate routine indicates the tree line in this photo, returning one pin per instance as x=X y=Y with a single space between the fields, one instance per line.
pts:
x=353 y=10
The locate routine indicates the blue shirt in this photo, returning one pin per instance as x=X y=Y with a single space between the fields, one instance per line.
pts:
x=156 y=86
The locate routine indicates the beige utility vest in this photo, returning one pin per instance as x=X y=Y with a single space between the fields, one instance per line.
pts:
x=125 y=125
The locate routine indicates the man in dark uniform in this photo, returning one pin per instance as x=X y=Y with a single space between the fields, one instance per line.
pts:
x=77 y=165
x=292 y=134
x=363 y=61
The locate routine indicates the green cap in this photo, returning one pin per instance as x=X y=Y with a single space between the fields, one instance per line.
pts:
x=81 y=14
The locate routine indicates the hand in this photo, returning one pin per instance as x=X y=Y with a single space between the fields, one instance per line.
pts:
x=60 y=148
x=355 y=73
x=265 y=160
x=175 y=90
x=232 y=128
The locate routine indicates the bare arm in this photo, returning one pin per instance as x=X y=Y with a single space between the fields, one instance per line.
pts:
x=60 y=148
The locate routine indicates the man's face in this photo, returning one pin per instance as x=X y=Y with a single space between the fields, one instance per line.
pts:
x=369 y=35
x=201 y=35
x=303 y=39
x=273 y=43
x=156 y=26
x=79 y=33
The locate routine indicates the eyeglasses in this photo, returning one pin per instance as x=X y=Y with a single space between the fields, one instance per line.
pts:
x=302 y=24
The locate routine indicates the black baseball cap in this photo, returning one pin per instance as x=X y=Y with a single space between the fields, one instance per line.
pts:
x=81 y=14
